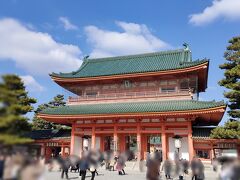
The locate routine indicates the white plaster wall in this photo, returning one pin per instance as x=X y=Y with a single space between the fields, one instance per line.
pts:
x=77 y=145
x=97 y=145
x=183 y=150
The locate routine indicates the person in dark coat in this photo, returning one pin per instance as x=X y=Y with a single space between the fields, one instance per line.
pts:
x=200 y=174
x=65 y=166
x=194 y=165
x=158 y=155
x=167 y=166
x=177 y=167
x=83 y=165
x=185 y=164
x=152 y=169
x=93 y=160
x=197 y=169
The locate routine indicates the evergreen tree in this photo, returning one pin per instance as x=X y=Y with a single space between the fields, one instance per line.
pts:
x=230 y=130
x=39 y=123
x=14 y=104
x=231 y=80
x=57 y=101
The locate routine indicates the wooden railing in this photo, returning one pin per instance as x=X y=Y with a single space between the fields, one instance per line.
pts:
x=129 y=95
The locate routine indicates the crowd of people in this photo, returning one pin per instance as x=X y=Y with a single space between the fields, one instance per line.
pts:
x=17 y=165
x=90 y=161
x=179 y=168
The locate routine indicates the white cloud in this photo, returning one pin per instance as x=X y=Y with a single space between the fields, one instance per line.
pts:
x=31 y=84
x=35 y=52
x=227 y=9
x=67 y=24
x=135 y=38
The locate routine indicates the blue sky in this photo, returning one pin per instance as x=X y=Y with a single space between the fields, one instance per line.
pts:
x=39 y=37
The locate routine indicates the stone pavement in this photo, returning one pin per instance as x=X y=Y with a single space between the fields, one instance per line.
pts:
x=130 y=175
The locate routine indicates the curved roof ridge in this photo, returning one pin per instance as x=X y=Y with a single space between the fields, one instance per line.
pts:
x=126 y=57
x=130 y=64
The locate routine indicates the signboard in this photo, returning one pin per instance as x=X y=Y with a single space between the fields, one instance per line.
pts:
x=53 y=144
x=155 y=140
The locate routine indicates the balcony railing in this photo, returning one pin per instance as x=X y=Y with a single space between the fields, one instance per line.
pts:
x=129 y=95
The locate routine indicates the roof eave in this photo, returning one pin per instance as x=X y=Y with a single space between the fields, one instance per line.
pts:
x=220 y=109
x=63 y=80
x=206 y=82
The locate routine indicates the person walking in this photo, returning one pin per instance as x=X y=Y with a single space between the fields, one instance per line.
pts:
x=93 y=171
x=158 y=158
x=185 y=164
x=120 y=165
x=83 y=165
x=200 y=175
x=197 y=169
x=152 y=169
x=65 y=165
x=177 y=167
x=194 y=166
x=93 y=164
x=167 y=166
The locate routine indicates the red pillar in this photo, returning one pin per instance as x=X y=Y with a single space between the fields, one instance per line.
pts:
x=122 y=144
x=93 y=145
x=72 y=140
x=115 y=140
x=190 y=142
x=139 y=142
x=102 y=143
x=164 y=143
x=48 y=153
x=144 y=145
x=167 y=145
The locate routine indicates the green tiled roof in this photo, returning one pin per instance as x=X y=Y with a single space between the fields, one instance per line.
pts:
x=150 y=62
x=132 y=107
x=49 y=133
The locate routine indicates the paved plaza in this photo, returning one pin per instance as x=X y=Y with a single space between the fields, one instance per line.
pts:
x=130 y=175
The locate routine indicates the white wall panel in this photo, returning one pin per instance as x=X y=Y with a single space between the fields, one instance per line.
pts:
x=183 y=150
x=77 y=145
x=97 y=143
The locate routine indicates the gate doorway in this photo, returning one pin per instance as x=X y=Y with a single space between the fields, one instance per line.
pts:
x=108 y=143
x=154 y=143
x=131 y=146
